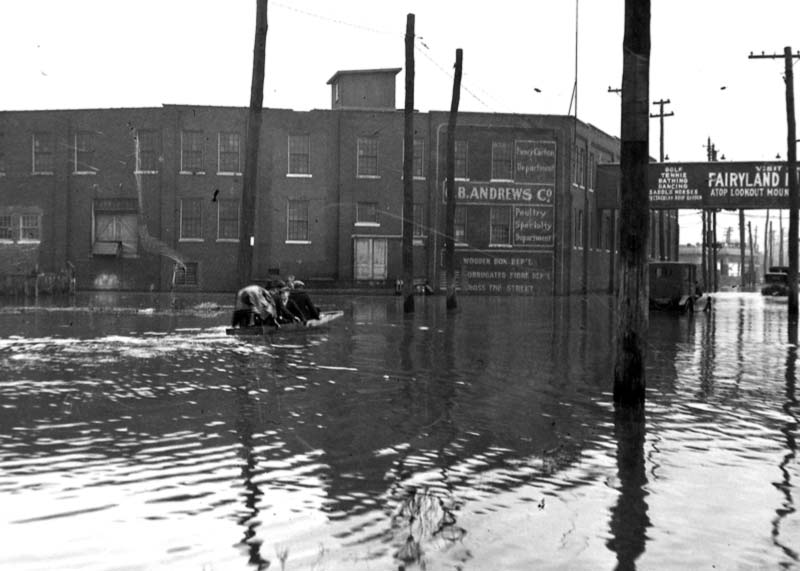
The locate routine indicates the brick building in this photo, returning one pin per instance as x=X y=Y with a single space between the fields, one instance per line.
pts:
x=149 y=198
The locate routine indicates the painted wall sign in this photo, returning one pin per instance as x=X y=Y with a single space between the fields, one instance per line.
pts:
x=535 y=162
x=705 y=185
x=533 y=226
x=475 y=192
x=498 y=272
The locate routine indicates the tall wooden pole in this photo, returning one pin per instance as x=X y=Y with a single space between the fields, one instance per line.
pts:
x=714 y=250
x=766 y=243
x=662 y=243
x=450 y=208
x=752 y=259
x=742 y=270
x=704 y=250
x=408 y=174
x=244 y=264
x=791 y=166
x=794 y=200
x=633 y=319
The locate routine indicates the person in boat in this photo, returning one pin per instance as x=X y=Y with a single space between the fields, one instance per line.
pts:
x=299 y=301
x=254 y=306
x=283 y=304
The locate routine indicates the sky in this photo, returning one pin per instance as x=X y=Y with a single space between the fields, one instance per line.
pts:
x=519 y=57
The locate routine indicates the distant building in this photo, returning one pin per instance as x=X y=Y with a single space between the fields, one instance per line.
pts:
x=149 y=198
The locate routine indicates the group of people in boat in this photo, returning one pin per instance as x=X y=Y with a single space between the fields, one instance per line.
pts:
x=275 y=303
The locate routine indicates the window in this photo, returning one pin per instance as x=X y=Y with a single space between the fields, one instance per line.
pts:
x=297 y=221
x=6 y=227
x=336 y=91
x=460 y=225
x=501 y=161
x=2 y=154
x=30 y=228
x=592 y=168
x=43 y=159
x=500 y=225
x=191 y=219
x=418 y=167
x=367 y=160
x=461 y=167
x=192 y=152
x=116 y=227
x=84 y=153
x=229 y=161
x=299 y=155
x=419 y=221
x=186 y=274
x=147 y=148
x=228 y=219
x=367 y=214
x=578 y=229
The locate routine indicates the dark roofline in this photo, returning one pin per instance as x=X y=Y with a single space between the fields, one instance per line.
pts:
x=391 y=70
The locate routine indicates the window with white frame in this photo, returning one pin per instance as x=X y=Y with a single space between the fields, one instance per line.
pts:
x=192 y=145
x=116 y=227
x=191 y=219
x=7 y=227
x=30 y=228
x=228 y=219
x=297 y=221
x=367 y=214
x=83 y=158
x=460 y=162
x=147 y=150
x=299 y=155
x=24 y=227
x=43 y=157
x=367 y=157
x=229 y=156
x=420 y=225
x=501 y=161
x=500 y=225
x=460 y=225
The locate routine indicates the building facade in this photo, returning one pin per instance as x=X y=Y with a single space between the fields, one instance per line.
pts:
x=149 y=198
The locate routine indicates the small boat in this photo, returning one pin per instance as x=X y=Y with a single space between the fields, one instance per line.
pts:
x=325 y=317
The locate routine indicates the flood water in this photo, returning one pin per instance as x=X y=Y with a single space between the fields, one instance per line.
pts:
x=148 y=439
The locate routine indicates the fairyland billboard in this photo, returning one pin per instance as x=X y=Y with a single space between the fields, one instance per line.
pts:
x=729 y=185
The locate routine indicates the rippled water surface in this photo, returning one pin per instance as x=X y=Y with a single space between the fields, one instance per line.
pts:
x=148 y=439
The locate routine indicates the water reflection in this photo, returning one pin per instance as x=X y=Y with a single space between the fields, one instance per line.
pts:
x=483 y=438
x=629 y=519
x=789 y=429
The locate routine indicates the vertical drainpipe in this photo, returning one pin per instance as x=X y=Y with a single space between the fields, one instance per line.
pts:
x=338 y=182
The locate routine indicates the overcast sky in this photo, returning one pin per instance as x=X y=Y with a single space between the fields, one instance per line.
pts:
x=519 y=57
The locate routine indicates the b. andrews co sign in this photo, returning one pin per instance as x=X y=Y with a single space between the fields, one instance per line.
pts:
x=729 y=185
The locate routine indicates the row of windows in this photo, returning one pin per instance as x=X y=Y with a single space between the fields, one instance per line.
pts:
x=229 y=155
x=20 y=227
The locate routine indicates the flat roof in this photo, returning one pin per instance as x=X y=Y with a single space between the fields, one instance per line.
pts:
x=391 y=70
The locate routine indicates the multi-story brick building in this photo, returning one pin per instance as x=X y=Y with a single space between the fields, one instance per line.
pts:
x=149 y=198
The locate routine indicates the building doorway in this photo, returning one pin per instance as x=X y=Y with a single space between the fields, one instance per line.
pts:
x=370 y=258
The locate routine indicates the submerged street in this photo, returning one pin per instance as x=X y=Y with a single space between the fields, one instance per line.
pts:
x=487 y=439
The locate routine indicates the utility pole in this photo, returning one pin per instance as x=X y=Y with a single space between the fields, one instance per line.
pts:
x=752 y=259
x=661 y=115
x=408 y=174
x=791 y=166
x=742 y=271
x=244 y=264
x=632 y=303
x=450 y=208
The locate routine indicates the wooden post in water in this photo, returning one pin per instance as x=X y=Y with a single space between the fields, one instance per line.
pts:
x=703 y=250
x=244 y=265
x=794 y=200
x=450 y=208
x=408 y=174
x=633 y=320
x=742 y=271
